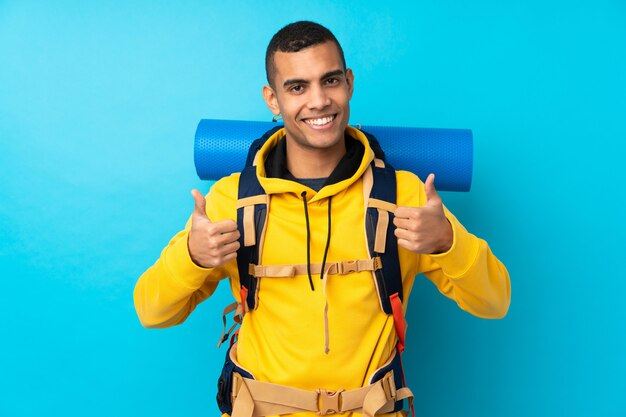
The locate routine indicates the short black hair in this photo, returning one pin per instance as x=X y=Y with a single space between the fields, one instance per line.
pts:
x=293 y=38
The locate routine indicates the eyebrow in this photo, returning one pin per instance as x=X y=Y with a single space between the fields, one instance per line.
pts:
x=303 y=81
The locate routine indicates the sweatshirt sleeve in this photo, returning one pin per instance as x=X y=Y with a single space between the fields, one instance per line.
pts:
x=468 y=273
x=170 y=290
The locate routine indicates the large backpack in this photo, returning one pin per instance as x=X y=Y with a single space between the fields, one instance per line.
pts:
x=382 y=244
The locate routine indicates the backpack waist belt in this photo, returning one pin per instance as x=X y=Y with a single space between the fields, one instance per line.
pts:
x=253 y=398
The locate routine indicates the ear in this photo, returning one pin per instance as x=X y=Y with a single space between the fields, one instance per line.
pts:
x=350 y=81
x=269 y=95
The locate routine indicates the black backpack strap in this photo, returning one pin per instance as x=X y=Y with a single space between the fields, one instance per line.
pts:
x=381 y=239
x=383 y=244
x=375 y=145
x=251 y=215
x=258 y=143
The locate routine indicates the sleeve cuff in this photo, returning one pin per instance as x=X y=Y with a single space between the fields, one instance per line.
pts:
x=179 y=262
x=461 y=255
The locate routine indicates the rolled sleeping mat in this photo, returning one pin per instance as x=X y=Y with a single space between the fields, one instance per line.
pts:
x=221 y=148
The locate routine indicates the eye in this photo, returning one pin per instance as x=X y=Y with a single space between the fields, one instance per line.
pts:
x=296 y=89
x=331 y=81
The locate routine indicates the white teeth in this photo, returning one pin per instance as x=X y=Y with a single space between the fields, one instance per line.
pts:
x=321 y=121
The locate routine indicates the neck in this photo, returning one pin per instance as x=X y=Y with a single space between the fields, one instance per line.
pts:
x=307 y=162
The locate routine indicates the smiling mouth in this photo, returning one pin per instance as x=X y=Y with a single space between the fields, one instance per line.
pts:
x=320 y=121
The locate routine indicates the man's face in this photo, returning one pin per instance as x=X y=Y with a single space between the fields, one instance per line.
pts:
x=312 y=92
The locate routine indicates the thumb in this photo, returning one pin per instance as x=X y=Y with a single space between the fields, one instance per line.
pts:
x=199 y=209
x=432 y=198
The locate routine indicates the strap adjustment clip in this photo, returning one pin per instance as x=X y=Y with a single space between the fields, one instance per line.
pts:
x=378 y=264
x=389 y=387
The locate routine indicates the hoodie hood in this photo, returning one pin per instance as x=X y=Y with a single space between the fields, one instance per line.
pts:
x=275 y=178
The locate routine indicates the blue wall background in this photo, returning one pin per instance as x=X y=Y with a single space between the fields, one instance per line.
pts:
x=98 y=108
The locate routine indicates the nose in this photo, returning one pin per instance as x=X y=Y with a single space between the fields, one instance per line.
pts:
x=319 y=98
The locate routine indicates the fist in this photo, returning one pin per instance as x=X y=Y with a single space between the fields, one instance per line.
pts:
x=211 y=244
x=424 y=229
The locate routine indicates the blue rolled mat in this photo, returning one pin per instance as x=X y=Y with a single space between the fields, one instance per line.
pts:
x=221 y=147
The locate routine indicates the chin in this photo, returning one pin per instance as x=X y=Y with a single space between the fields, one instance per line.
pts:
x=326 y=142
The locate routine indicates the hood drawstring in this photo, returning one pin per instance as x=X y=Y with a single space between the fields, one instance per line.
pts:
x=327 y=240
x=308 y=240
x=323 y=272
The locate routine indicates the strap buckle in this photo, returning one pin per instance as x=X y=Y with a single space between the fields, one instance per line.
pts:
x=328 y=402
x=346 y=267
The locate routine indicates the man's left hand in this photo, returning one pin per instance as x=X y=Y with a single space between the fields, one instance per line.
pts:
x=424 y=229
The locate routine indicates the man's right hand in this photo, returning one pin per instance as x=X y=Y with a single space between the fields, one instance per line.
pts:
x=211 y=244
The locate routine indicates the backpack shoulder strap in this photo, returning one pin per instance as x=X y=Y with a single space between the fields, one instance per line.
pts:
x=381 y=240
x=258 y=143
x=252 y=204
x=251 y=219
x=374 y=144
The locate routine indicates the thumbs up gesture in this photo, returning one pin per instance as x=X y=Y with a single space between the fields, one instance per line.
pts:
x=424 y=229
x=211 y=244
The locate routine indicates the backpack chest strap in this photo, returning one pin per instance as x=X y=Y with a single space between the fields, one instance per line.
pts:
x=331 y=268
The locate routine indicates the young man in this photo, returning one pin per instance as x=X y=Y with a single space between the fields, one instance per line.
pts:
x=319 y=332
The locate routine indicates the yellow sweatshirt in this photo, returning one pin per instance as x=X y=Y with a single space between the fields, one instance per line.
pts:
x=283 y=340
